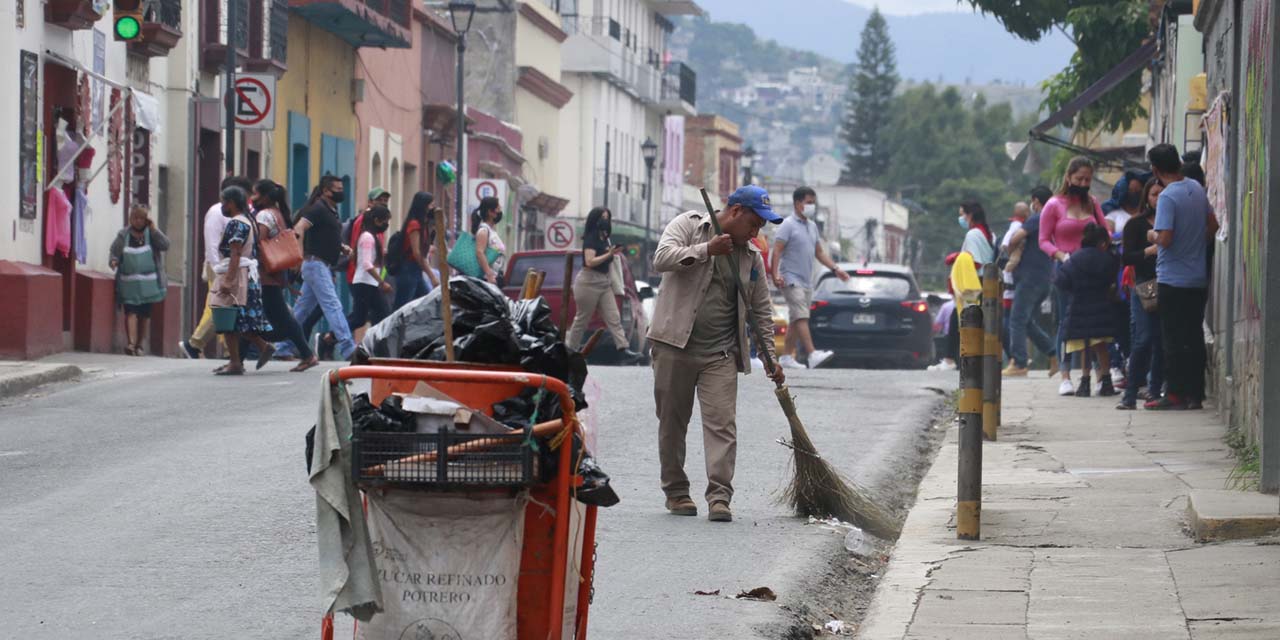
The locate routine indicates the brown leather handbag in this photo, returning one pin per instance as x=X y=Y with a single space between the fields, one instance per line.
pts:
x=1148 y=294
x=281 y=252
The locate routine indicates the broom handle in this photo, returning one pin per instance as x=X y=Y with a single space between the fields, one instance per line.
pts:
x=446 y=303
x=742 y=293
x=539 y=431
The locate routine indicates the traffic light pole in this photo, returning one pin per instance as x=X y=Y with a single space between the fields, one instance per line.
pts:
x=229 y=128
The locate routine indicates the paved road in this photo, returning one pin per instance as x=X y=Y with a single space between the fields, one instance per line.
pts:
x=156 y=501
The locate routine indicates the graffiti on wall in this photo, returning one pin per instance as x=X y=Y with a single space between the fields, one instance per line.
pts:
x=1254 y=172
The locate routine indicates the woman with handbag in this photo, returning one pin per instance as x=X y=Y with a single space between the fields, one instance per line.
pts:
x=593 y=287
x=279 y=254
x=239 y=285
x=481 y=253
x=140 y=280
x=1146 y=356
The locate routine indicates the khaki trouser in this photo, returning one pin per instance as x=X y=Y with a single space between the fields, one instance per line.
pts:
x=592 y=290
x=677 y=375
x=204 y=329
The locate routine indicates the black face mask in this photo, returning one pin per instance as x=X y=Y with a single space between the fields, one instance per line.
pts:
x=606 y=229
x=338 y=197
x=1078 y=192
x=1132 y=200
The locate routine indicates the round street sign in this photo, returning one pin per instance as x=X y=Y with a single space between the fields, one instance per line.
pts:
x=560 y=234
x=252 y=101
x=486 y=189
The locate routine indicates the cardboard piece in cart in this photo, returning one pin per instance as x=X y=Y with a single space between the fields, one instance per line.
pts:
x=436 y=409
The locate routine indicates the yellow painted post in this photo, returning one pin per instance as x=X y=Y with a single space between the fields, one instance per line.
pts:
x=969 y=478
x=991 y=351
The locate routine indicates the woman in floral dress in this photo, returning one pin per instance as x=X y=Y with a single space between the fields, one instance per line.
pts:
x=238 y=283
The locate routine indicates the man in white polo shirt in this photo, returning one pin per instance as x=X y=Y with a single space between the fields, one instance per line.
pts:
x=795 y=247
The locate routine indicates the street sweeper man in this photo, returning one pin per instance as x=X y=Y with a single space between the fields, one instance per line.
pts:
x=700 y=340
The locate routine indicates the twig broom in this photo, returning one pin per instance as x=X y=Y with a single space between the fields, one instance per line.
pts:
x=816 y=488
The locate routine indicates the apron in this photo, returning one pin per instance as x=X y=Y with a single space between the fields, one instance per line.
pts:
x=139 y=282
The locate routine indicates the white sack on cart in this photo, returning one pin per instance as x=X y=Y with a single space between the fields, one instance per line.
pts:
x=449 y=566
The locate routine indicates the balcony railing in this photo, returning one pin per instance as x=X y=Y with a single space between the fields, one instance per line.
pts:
x=269 y=35
x=626 y=196
x=600 y=45
x=679 y=89
x=213 y=32
x=161 y=28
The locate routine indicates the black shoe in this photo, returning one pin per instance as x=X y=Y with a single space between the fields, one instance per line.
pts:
x=1195 y=405
x=627 y=356
x=1127 y=405
x=1107 y=389
x=1085 y=389
x=187 y=350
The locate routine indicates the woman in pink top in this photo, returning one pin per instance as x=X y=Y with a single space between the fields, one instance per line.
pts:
x=1062 y=223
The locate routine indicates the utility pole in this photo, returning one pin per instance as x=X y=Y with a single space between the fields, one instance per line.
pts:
x=229 y=71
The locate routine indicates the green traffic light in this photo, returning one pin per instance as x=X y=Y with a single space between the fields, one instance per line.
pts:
x=127 y=28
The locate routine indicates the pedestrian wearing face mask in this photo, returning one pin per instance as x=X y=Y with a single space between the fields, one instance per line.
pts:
x=490 y=250
x=140 y=281
x=795 y=247
x=321 y=232
x=368 y=286
x=592 y=290
x=1062 y=226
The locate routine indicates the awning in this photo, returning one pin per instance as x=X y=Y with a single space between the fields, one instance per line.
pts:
x=548 y=204
x=1136 y=60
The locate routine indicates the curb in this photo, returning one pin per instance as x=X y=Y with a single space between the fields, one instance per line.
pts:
x=12 y=384
x=1232 y=515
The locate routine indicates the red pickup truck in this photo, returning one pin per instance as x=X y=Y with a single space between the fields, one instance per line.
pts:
x=630 y=304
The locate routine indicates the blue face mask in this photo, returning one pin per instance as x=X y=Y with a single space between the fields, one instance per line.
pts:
x=964 y=224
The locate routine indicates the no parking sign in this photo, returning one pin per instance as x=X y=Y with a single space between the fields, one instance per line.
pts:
x=478 y=188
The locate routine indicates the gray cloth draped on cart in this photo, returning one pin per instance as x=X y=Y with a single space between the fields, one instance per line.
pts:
x=348 y=573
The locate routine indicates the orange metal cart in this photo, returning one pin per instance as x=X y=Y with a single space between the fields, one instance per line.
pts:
x=545 y=558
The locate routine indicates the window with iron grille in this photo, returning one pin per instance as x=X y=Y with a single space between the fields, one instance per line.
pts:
x=167 y=13
x=278 y=31
x=615 y=29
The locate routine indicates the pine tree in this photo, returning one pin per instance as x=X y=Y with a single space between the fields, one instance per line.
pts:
x=866 y=110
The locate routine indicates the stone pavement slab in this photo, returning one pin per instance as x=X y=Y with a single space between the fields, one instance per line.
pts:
x=1085 y=534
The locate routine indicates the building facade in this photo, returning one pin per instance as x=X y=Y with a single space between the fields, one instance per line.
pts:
x=617 y=63
x=712 y=154
x=99 y=125
x=1241 y=157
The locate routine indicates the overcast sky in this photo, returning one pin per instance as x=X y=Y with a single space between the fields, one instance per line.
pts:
x=911 y=7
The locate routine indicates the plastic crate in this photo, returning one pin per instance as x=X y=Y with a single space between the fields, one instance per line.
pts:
x=479 y=461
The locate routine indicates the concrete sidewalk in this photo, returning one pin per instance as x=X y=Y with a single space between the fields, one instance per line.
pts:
x=20 y=376
x=1087 y=532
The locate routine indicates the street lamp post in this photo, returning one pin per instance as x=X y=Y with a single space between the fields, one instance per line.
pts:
x=748 y=159
x=461 y=13
x=650 y=152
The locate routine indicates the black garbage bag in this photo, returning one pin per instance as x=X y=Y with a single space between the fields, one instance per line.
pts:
x=482 y=327
x=595 y=489
x=388 y=417
x=518 y=412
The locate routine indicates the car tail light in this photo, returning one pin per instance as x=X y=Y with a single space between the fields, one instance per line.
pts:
x=918 y=306
x=865 y=272
x=781 y=330
x=818 y=304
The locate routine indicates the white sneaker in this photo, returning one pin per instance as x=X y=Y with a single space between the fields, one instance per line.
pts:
x=943 y=366
x=818 y=357
x=1116 y=375
x=1066 y=388
x=789 y=362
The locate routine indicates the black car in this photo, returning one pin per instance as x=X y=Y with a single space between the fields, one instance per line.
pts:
x=878 y=317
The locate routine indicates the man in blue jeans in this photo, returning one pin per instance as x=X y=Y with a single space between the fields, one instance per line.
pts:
x=321 y=231
x=1031 y=270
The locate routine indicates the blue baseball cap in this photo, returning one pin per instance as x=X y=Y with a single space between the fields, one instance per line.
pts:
x=756 y=199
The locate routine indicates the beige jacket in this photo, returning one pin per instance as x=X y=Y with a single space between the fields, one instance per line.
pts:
x=682 y=260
